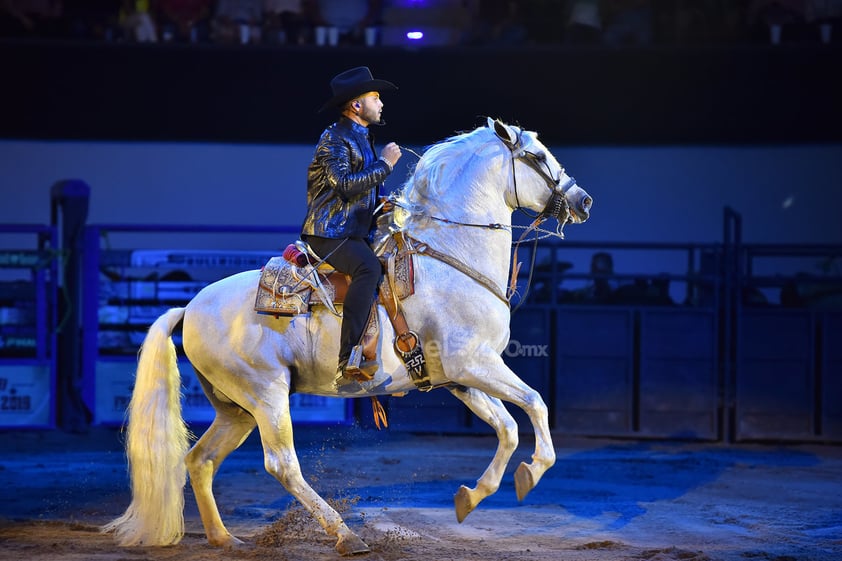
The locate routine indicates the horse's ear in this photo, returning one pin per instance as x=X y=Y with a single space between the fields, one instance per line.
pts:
x=504 y=131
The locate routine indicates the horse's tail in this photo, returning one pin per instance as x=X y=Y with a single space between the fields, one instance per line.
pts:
x=156 y=444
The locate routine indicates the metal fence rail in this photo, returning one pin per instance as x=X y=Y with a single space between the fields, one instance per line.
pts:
x=727 y=341
x=28 y=325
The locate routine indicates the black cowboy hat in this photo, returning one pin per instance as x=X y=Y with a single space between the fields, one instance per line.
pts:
x=351 y=83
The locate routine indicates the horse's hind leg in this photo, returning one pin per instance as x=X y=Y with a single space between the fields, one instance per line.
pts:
x=229 y=429
x=492 y=411
x=281 y=461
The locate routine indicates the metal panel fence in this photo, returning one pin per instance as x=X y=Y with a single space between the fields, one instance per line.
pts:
x=28 y=324
x=787 y=366
x=696 y=341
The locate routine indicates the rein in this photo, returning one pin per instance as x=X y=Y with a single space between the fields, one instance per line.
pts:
x=490 y=226
x=515 y=268
x=490 y=285
x=422 y=248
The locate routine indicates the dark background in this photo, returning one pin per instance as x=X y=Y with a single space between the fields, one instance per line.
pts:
x=738 y=94
x=762 y=373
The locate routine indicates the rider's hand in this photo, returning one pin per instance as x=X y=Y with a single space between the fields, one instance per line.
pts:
x=391 y=153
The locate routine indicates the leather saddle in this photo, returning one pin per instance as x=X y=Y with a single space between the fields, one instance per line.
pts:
x=297 y=282
x=291 y=285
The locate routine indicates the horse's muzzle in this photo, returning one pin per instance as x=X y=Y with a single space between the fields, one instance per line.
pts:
x=579 y=203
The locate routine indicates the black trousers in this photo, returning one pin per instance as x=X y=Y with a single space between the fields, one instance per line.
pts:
x=354 y=257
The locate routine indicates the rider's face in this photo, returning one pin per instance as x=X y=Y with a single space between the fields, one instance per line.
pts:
x=370 y=108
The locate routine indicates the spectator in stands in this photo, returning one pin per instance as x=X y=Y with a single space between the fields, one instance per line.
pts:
x=814 y=291
x=286 y=21
x=137 y=21
x=772 y=19
x=644 y=292
x=825 y=14
x=627 y=22
x=30 y=18
x=184 y=20
x=498 y=22
x=584 y=23
x=602 y=286
x=605 y=289
x=92 y=19
x=790 y=296
x=237 y=21
x=349 y=17
x=823 y=10
x=602 y=271
x=542 y=288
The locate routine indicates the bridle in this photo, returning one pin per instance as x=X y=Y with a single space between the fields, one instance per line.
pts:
x=557 y=207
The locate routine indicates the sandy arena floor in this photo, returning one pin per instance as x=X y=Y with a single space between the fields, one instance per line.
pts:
x=603 y=500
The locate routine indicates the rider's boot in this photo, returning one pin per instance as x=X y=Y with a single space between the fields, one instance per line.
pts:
x=362 y=364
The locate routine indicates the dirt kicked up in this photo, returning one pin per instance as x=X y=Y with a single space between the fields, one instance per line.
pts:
x=603 y=500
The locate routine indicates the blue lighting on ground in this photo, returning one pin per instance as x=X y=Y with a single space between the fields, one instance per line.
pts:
x=414 y=35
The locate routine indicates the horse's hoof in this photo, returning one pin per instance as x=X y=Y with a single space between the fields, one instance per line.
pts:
x=351 y=545
x=524 y=481
x=227 y=542
x=234 y=543
x=462 y=502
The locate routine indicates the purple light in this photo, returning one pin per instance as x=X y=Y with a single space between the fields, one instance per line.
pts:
x=414 y=35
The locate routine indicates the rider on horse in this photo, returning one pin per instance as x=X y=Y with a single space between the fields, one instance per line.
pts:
x=343 y=181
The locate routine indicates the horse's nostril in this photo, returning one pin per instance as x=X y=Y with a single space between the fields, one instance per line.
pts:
x=587 y=203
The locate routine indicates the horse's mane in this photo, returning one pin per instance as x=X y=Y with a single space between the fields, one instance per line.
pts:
x=443 y=163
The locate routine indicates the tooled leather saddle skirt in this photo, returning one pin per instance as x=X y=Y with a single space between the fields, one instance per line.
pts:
x=286 y=289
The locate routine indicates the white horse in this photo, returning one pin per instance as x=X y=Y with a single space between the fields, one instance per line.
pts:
x=459 y=201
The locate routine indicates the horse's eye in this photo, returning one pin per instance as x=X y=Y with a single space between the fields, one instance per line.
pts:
x=541 y=157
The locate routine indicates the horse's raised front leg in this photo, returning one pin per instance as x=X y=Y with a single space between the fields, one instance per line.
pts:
x=488 y=373
x=229 y=429
x=492 y=411
x=281 y=460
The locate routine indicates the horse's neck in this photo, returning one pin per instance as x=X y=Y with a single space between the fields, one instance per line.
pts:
x=469 y=236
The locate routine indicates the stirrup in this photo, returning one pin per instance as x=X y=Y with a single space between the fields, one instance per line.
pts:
x=358 y=368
